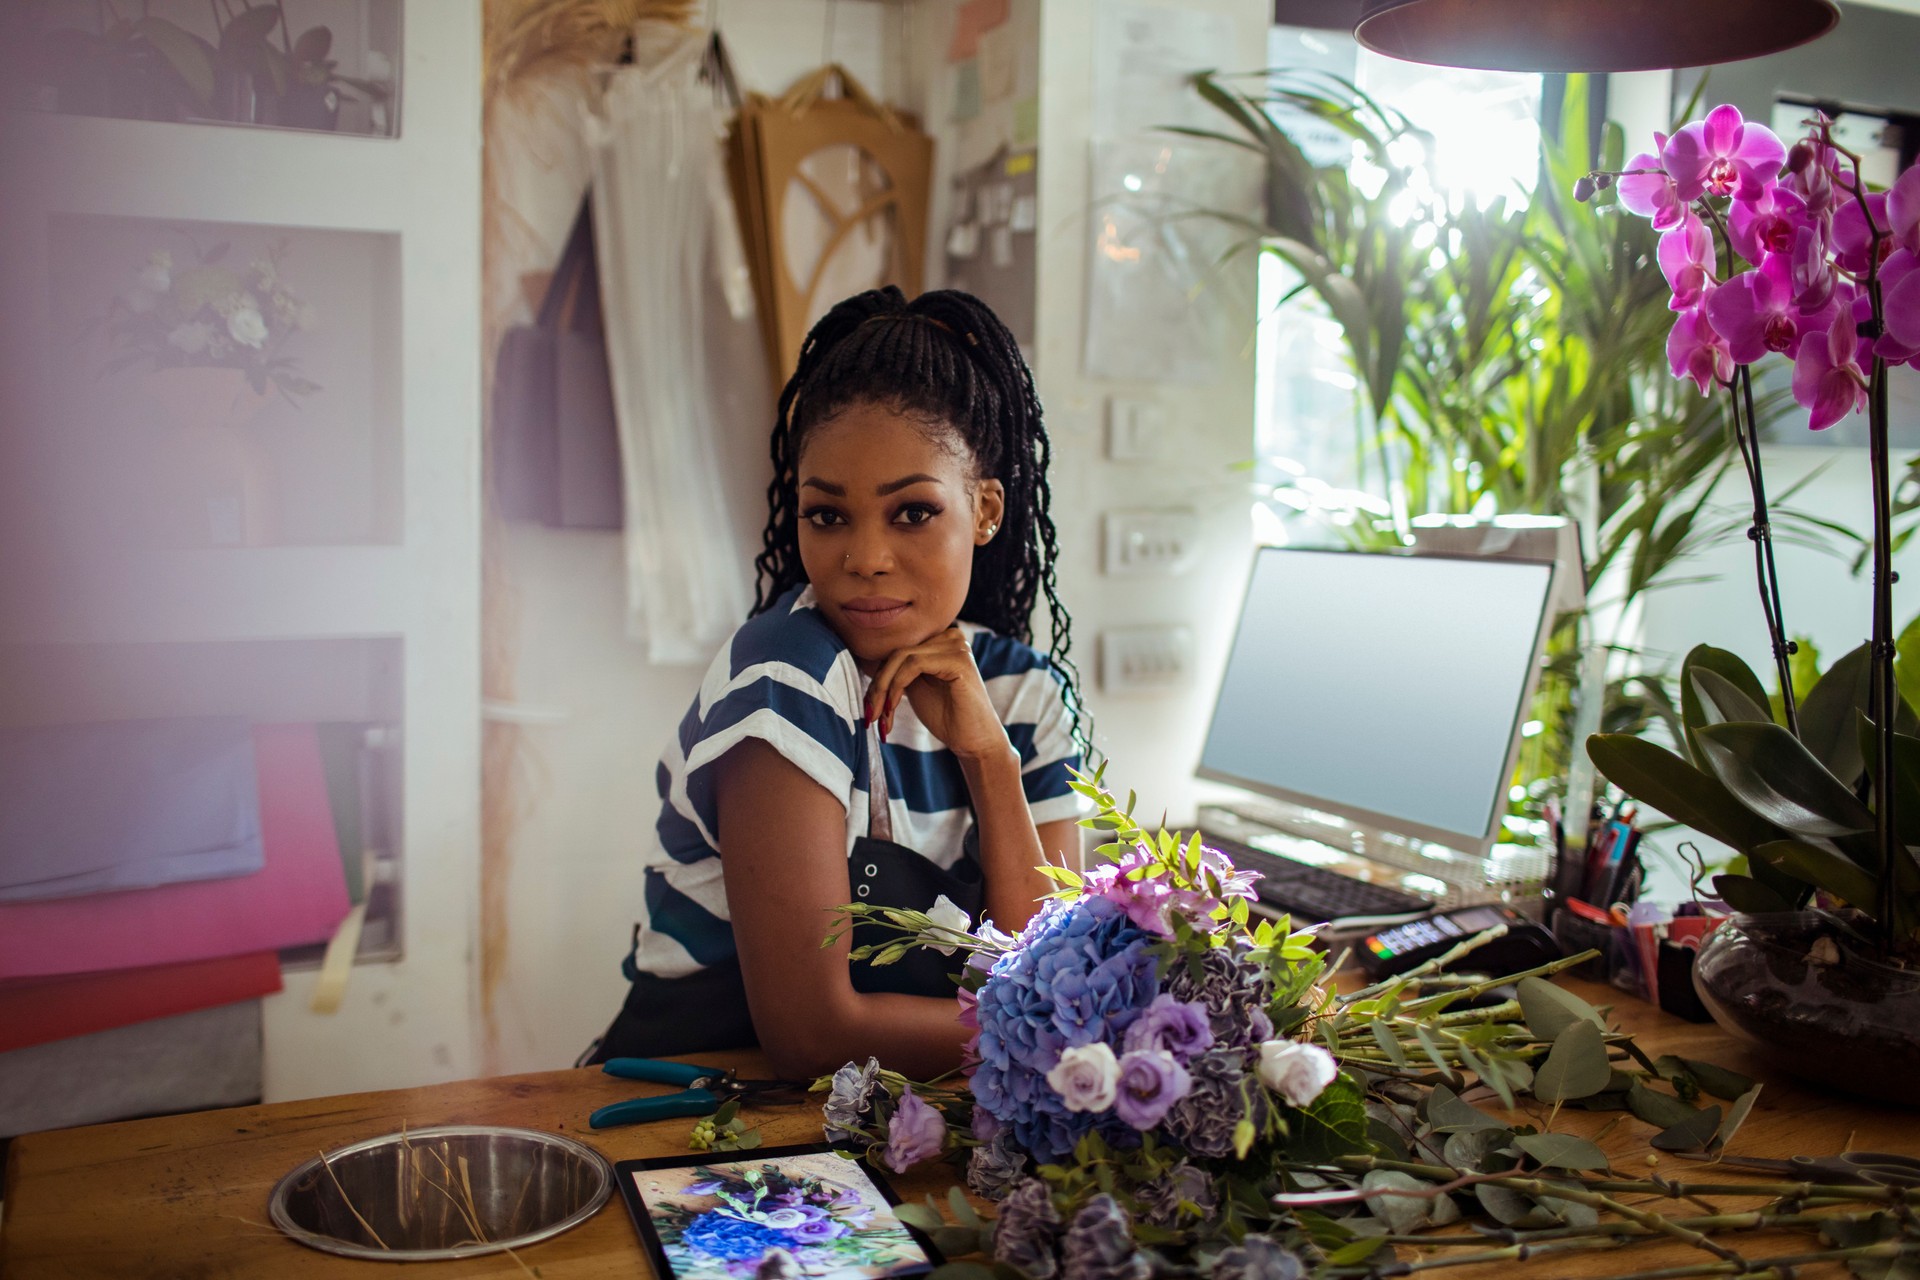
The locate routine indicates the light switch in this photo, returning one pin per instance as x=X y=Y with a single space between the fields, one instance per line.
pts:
x=1140 y=659
x=1151 y=542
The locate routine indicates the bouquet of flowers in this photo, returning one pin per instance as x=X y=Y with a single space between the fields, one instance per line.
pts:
x=776 y=1219
x=1158 y=1084
x=209 y=314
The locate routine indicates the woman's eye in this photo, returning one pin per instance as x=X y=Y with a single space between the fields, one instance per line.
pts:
x=916 y=513
x=823 y=517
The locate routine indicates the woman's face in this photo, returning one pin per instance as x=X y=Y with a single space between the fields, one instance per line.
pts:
x=890 y=513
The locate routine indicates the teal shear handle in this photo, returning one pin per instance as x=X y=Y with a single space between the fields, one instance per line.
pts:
x=699 y=1094
x=680 y=1073
x=688 y=1102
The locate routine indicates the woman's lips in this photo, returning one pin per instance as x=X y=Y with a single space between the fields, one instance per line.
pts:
x=874 y=612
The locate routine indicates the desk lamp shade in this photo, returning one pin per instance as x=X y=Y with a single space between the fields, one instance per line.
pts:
x=1589 y=35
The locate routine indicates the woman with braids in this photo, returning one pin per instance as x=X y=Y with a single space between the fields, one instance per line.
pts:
x=881 y=729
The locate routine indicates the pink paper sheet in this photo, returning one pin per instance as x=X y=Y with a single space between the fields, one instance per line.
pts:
x=297 y=898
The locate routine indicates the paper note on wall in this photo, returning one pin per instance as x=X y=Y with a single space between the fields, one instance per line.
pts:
x=1145 y=57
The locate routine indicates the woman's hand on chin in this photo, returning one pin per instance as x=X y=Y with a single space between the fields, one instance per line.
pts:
x=939 y=677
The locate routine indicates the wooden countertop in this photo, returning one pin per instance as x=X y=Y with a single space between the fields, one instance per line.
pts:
x=187 y=1195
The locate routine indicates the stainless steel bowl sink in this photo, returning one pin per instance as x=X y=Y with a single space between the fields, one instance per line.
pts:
x=448 y=1192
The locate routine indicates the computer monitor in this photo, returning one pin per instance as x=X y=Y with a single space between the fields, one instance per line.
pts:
x=1386 y=688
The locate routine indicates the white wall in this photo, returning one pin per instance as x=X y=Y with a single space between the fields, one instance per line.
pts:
x=587 y=790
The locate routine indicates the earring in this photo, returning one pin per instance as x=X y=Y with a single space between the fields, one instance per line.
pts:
x=992 y=529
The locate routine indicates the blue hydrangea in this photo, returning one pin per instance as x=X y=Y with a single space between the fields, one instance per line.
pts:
x=725 y=1236
x=1080 y=973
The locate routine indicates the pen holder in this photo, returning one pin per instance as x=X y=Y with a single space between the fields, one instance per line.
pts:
x=1576 y=935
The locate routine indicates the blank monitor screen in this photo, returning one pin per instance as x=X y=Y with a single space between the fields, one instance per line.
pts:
x=1384 y=687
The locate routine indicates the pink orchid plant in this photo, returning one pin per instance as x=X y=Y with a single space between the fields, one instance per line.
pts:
x=1776 y=250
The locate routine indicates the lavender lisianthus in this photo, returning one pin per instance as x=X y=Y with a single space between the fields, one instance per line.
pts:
x=1143 y=897
x=1151 y=1081
x=916 y=1133
x=1100 y=1245
x=1026 y=1233
x=1180 y=1028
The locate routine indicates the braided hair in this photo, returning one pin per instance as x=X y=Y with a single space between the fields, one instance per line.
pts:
x=942 y=359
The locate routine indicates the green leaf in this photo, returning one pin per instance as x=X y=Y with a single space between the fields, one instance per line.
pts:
x=1827 y=716
x=1655 y=776
x=1562 y=1151
x=1771 y=773
x=1721 y=701
x=963 y=1210
x=1736 y=1115
x=1446 y=1113
x=1402 y=1214
x=918 y=1216
x=1744 y=893
x=1662 y=1110
x=1355 y=1251
x=1823 y=869
x=954 y=1242
x=1332 y=1125
x=1691 y=1134
x=727 y=1111
x=1480 y=1150
x=1716 y=1080
x=1549 y=1010
x=1576 y=1066
x=1728 y=667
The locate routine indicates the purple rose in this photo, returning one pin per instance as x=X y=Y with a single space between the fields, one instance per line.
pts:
x=1180 y=1028
x=916 y=1133
x=1151 y=1081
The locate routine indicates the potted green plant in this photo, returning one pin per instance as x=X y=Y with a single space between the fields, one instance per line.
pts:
x=1771 y=250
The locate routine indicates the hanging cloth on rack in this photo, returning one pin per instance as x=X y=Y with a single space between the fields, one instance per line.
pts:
x=654 y=141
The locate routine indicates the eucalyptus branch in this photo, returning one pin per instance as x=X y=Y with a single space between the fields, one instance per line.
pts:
x=1488 y=984
x=1779 y=1267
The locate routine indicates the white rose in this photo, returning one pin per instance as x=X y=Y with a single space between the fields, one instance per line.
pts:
x=1295 y=1071
x=190 y=338
x=247 y=328
x=1087 y=1077
x=947 y=914
x=156 y=278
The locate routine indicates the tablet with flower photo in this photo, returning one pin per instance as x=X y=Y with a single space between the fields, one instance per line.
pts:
x=786 y=1213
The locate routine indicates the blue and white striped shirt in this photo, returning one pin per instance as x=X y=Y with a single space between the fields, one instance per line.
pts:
x=787 y=679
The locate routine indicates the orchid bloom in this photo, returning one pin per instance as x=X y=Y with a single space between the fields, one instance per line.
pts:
x=1814 y=183
x=1853 y=237
x=1723 y=155
x=1827 y=379
x=1686 y=259
x=1651 y=193
x=1813 y=273
x=1697 y=351
x=1900 y=299
x=1903 y=210
x=1765 y=224
x=1756 y=314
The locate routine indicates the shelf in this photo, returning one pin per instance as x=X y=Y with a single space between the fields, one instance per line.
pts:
x=267 y=593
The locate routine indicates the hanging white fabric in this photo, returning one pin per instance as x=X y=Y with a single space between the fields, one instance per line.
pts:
x=655 y=152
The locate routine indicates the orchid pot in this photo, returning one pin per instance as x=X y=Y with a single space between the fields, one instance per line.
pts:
x=1812 y=995
x=212 y=473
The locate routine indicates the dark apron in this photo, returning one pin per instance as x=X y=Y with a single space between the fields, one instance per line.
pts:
x=707 y=1011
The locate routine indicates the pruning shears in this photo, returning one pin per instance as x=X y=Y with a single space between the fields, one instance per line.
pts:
x=1873 y=1168
x=703 y=1091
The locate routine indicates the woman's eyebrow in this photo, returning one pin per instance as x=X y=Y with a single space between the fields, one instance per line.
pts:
x=825 y=486
x=894 y=486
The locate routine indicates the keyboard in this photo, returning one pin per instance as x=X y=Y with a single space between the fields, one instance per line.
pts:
x=1313 y=894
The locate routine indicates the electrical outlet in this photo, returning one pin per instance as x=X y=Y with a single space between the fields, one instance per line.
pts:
x=1138 y=659
x=1151 y=542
